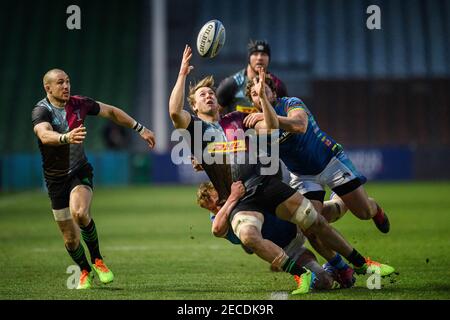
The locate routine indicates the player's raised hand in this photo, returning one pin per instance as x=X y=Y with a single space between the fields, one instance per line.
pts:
x=252 y=119
x=186 y=68
x=237 y=190
x=149 y=137
x=197 y=166
x=260 y=83
x=77 y=135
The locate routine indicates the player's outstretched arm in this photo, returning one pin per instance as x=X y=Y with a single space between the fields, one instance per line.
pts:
x=220 y=224
x=181 y=118
x=270 y=116
x=296 y=121
x=121 y=118
x=45 y=133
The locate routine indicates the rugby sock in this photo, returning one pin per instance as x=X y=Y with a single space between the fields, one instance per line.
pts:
x=379 y=216
x=338 y=263
x=356 y=259
x=293 y=268
x=89 y=234
x=79 y=257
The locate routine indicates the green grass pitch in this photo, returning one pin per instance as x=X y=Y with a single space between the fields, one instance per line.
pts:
x=159 y=245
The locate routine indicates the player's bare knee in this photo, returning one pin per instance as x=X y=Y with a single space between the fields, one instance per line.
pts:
x=80 y=214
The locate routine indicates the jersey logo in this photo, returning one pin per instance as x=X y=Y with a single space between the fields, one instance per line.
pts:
x=245 y=109
x=227 y=147
x=77 y=112
x=284 y=136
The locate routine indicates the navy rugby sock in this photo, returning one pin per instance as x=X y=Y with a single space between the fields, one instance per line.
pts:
x=338 y=263
x=356 y=259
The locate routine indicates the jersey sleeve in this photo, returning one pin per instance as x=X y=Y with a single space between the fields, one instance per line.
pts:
x=294 y=104
x=280 y=87
x=226 y=91
x=92 y=106
x=40 y=114
x=230 y=236
x=190 y=127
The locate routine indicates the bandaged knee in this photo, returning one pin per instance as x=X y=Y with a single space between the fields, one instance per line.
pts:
x=62 y=214
x=305 y=215
x=241 y=221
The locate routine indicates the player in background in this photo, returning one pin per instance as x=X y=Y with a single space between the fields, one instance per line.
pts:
x=315 y=160
x=231 y=91
x=264 y=193
x=58 y=122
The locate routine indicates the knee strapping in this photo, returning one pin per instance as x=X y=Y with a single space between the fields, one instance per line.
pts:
x=305 y=215
x=62 y=214
x=244 y=220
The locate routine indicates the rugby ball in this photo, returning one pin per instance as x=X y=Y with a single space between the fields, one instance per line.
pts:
x=211 y=39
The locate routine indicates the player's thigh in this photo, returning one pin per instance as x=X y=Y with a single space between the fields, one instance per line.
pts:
x=287 y=209
x=80 y=200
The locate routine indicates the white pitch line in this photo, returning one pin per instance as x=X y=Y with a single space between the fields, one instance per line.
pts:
x=279 y=295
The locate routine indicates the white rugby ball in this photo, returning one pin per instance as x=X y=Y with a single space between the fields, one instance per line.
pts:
x=211 y=39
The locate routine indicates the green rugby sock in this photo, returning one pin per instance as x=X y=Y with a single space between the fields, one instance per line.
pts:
x=89 y=234
x=79 y=257
x=293 y=268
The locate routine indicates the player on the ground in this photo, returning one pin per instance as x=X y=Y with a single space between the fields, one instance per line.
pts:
x=264 y=193
x=282 y=233
x=58 y=122
x=207 y=197
x=231 y=91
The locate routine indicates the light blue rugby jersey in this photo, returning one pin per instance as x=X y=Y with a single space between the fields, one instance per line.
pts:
x=308 y=153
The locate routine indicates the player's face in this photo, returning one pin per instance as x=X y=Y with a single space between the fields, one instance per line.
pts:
x=259 y=60
x=211 y=203
x=59 y=86
x=269 y=93
x=206 y=101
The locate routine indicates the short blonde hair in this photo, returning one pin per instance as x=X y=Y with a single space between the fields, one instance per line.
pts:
x=207 y=82
x=204 y=193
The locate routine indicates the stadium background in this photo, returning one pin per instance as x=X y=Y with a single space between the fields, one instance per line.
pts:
x=384 y=93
